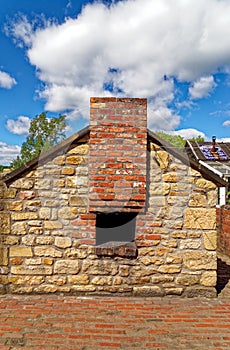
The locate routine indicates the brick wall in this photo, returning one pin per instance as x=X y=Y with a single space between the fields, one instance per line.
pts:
x=223 y=229
x=117 y=157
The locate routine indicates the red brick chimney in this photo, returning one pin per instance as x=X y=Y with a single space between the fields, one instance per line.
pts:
x=117 y=157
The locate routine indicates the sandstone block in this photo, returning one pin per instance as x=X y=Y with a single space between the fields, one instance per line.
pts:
x=43 y=184
x=68 y=171
x=171 y=177
x=15 y=205
x=10 y=240
x=28 y=240
x=179 y=234
x=101 y=267
x=200 y=260
x=4 y=279
x=174 y=259
x=31 y=270
x=46 y=240
x=59 y=183
x=173 y=291
x=52 y=225
x=76 y=253
x=23 y=280
x=78 y=279
x=162 y=279
x=202 y=219
x=76 y=181
x=60 y=160
x=27 y=194
x=3 y=257
x=81 y=149
x=18 y=228
x=63 y=242
x=163 y=159
x=83 y=288
x=10 y=193
x=45 y=213
x=212 y=198
x=33 y=261
x=169 y=269
x=148 y=291
x=140 y=280
x=68 y=213
x=78 y=201
x=33 y=203
x=45 y=288
x=23 y=183
x=57 y=280
x=206 y=292
x=47 y=251
x=187 y=280
x=21 y=252
x=102 y=281
x=205 y=184
x=4 y=223
x=190 y=244
x=208 y=279
x=159 y=189
x=66 y=267
x=146 y=251
x=152 y=260
x=75 y=160
x=197 y=200
x=210 y=240
x=52 y=203
x=24 y=216
x=14 y=289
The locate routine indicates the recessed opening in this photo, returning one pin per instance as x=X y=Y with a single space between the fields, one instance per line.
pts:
x=116 y=227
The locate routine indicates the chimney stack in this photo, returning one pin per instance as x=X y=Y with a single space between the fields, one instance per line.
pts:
x=213 y=144
x=117 y=157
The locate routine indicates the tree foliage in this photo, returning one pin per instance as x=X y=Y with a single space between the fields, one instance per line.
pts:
x=43 y=134
x=177 y=140
x=3 y=167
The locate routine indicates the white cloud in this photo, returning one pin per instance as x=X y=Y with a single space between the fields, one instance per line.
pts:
x=6 y=81
x=202 y=87
x=226 y=123
x=20 y=126
x=8 y=153
x=223 y=139
x=135 y=46
x=190 y=133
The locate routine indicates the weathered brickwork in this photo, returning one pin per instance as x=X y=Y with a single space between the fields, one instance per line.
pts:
x=118 y=145
x=223 y=229
x=48 y=233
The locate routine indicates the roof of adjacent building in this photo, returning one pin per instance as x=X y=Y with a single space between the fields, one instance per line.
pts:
x=83 y=136
x=217 y=158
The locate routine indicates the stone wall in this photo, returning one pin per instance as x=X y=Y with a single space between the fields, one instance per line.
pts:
x=47 y=235
x=223 y=229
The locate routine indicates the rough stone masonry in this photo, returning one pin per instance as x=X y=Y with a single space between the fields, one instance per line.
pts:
x=49 y=213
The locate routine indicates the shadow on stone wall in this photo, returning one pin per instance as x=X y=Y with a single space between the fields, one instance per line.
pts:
x=223 y=275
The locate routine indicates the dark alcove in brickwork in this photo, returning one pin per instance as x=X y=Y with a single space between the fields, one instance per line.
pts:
x=115 y=226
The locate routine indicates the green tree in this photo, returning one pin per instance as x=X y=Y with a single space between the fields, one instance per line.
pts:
x=197 y=139
x=175 y=140
x=43 y=134
x=3 y=167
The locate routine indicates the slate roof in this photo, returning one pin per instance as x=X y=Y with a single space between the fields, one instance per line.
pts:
x=218 y=160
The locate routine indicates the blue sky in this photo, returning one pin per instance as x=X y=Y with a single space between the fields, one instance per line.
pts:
x=56 y=54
